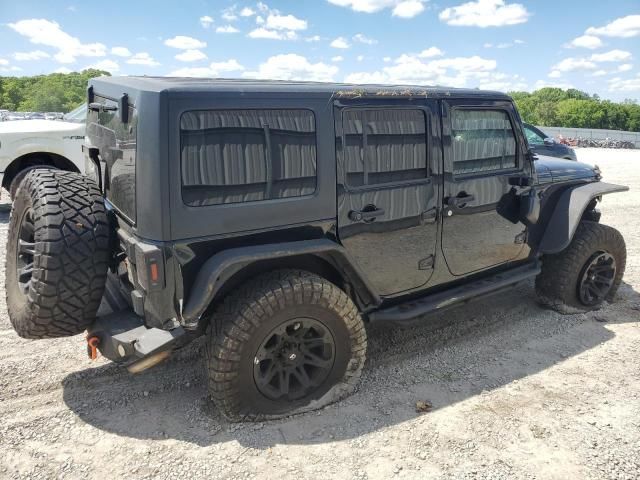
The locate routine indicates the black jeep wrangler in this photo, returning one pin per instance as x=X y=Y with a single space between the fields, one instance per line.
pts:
x=279 y=218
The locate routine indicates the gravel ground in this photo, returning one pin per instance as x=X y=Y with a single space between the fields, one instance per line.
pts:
x=517 y=392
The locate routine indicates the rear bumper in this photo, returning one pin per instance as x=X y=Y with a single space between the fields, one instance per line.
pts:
x=123 y=337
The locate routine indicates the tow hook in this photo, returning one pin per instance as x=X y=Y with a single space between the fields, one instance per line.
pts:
x=92 y=347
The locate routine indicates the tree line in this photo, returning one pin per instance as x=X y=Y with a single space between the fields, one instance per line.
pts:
x=57 y=92
x=553 y=107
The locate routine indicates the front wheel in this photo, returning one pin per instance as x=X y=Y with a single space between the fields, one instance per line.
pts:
x=288 y=342
x=586 y=273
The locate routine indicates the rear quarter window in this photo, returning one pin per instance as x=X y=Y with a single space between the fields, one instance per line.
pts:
x=237 y=156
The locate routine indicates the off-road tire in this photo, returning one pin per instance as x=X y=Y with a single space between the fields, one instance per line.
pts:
x=70 y=254
x=239 y=324
x=19 y=177
x=557 y=284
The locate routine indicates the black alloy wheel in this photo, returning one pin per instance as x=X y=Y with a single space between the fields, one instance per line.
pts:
x=597 y=278
x=294 y=359
x=25 y=251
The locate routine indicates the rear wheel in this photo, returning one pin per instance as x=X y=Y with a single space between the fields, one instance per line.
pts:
x=57 y=254
x=287 y=342
x=585 y=274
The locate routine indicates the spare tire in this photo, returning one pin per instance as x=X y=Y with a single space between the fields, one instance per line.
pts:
x=57 y=254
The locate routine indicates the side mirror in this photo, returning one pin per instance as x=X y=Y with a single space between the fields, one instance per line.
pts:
x=549 y=141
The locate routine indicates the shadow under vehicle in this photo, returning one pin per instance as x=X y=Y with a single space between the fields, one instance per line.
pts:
x=277 y=218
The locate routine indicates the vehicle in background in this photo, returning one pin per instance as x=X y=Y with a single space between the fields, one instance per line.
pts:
x=543 y=144
x=36 y=116
x=38 y=142
x=11 y=116
x=53 y=115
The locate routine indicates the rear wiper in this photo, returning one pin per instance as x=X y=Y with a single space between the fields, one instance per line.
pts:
x=101 y=107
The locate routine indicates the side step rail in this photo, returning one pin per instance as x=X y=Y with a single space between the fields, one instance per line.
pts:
x=439 y=301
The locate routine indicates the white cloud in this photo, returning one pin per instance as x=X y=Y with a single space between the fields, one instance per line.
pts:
x=191 y=56
x=611 y=56
x=215 y=69
x=108 y=65
x=314 y=38
x=572 y=64
x=293 y=67
x=285 y=22
x=408 y=9
x=120 y=52
x=624 y=27
x=545 y=83
x=4 y=61
x=143 y=58
x=625 y=67
x=361 y=38
x=340 y=42
x=386 y=59
x=40 y=31
x=337 y=58
x=206 y=21
x=431 y=52
x=227 y=29
x=247 y=12
x=261 y=32
x=555 y=74
x=585 y=41
x=410 y=69
x=399 y=8
x=27 y=56
x=360 y=58
x=62 y=70
x=625 y=85
x=184 y=43
x=485 y=13
x=598 y=73
x=229 y=14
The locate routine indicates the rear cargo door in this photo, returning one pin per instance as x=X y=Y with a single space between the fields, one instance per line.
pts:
x=386 y=193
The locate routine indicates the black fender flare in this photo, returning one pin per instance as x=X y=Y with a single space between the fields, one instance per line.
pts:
x=568 y=212
x=223 y=265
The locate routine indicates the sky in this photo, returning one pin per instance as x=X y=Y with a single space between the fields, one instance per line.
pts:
x=491 y=44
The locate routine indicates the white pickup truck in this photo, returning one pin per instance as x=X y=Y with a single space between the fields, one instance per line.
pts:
x=28 y=144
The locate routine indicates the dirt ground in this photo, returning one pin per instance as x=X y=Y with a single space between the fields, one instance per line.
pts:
x=517 y=392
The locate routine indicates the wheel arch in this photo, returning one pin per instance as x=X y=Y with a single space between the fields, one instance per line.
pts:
x=569 y=211
x=226 y=270
x=33 y=159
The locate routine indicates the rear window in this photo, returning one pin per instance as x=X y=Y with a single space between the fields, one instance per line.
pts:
x=116 y=142
x=236 y=156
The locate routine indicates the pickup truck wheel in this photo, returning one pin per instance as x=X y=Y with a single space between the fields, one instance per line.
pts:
x=287 y=342
x=586 y=273
x=57 y=254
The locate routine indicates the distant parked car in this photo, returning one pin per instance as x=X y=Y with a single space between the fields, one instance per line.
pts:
x=15 y=116
x=543 y=144
x=38 y=143
x=36 y=116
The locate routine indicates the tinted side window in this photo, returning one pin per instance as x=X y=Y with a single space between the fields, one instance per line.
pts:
x=383 y=146
x=233 y=156
x=482 y=141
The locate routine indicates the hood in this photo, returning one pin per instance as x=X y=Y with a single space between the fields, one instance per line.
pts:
x=38 y=126
x=552 y=169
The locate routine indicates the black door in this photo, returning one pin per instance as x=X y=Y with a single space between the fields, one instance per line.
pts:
x=482 y=152
x=386 y=195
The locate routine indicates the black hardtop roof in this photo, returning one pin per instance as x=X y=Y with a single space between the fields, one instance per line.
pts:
x=230 y=85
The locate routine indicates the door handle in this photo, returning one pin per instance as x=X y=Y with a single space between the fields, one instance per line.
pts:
x=457 y=203
x=365 y=215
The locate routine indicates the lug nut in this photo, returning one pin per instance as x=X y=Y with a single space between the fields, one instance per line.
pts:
x=292 y=356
